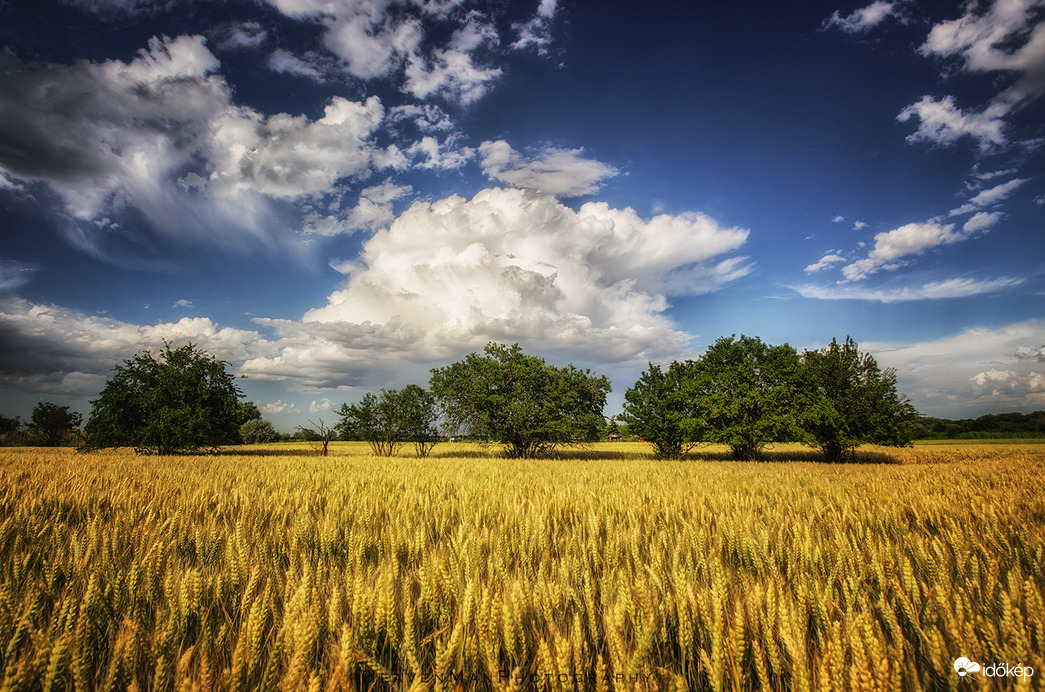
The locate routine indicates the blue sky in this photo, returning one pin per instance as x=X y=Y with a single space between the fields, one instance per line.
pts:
x=337 y=195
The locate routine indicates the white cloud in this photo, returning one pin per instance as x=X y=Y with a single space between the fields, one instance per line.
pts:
x=892 y=246
x=6 y=183
x=838 y=219
x=970 y=373
x=311 y=65
x=320 y=406
x=996 y=194
x=363 y=33
x=372 y=211
x=941 y=122
x=506 y=265
x=243 y=36
x=824 y=262
x=989 y=197
x=863 y=19
x=1005 y=36
x=439 y=156
x=403 y=40
x=536 y=33
x=562 y=172
x=182 y=303
x=981 y=220
x=1036 y=353
x=428 y=117
x=278 y=406
x=991 y=175
x=933 y=290
x=289 y=157
x=1009 y=383
x=451 y=71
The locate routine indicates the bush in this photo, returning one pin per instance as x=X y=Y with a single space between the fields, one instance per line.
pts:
x=257 y=431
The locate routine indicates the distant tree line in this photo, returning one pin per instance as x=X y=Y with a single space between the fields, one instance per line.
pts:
x=991 y=426
x=742 y=392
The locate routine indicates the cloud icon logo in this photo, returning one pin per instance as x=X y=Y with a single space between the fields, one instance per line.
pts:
x=964 y=666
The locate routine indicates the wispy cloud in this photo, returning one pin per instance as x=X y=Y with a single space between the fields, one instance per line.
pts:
x=14 y=275
x=864 y=19
x=825 y=262
x=933 y=290
x=989 y=197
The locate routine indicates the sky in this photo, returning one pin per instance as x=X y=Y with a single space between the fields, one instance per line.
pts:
x=335 y=196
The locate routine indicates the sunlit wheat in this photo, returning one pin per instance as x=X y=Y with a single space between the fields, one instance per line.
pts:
x=284 y=571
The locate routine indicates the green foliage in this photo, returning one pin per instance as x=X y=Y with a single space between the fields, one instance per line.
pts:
x=660 y=410
x=856 y=402
x=183 y=401
x=388 y=421
x=247 y=411
x=257 y=431
x=749 y=394
x=519 y=401
x=53 y=422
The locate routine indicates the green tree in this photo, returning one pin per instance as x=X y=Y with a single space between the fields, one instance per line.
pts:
x=530 y=407
x=183 y=401
x=53 y=422
x=247 y=411
x=420 y=415
x=856 y=402
x=257 y=431
x=660 y=410
x=388 y=421
x=749 y=394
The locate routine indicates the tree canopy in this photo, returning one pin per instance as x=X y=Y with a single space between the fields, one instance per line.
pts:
x=182 y=401
x=52 y=422
x=506 y=396
x=660 y=410
x=388 y=421
x=855 y=402
x=749 y=394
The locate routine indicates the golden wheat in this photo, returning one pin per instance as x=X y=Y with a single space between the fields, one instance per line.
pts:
x=278 y=570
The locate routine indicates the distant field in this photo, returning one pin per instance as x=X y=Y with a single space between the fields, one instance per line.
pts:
x=271 y=568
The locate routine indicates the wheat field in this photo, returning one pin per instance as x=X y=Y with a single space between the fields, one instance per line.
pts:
x=270 y=568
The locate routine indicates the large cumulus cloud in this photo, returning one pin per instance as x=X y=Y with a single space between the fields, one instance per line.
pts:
x=508 y=265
